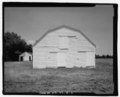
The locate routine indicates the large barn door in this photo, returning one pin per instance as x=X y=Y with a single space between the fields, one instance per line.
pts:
x=61 y=60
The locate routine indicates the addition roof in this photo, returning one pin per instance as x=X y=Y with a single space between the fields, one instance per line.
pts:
x=24 y=53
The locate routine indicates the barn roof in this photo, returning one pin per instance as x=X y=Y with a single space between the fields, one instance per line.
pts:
x=64 y=26
x=23 y=54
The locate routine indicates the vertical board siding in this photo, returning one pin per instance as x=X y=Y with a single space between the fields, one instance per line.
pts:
x=63 y=42
x=78 y=59
x=91 y=59
x=44 y=60
x=61 y=59
x=78 y=50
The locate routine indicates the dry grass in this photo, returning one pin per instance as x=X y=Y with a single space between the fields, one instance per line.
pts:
x=19 y=77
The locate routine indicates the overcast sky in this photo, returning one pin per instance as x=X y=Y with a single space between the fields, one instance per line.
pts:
x=95 y=22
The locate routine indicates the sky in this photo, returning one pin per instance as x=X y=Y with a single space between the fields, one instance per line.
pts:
x=32 y=22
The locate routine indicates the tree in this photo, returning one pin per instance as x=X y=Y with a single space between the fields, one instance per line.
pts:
x=13 y=46
x=29 y=48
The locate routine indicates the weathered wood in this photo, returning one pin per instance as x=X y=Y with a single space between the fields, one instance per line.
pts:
x=78 y=50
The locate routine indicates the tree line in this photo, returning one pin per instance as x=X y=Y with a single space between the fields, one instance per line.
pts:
x=104 y=56
x=13 y=46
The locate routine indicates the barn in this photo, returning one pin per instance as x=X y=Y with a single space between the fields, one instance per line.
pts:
x=63 y=47
x=25 y=56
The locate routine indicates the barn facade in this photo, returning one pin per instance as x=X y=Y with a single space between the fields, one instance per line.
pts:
x=25 y=56
x=63 y=47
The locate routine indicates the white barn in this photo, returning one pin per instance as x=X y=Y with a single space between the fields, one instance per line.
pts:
x=25 y=56
x=63 y=47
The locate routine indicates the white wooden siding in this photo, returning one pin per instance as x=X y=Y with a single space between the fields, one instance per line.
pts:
x=78 y=59
x=90 y=59
x=61 y=59
x=63 y=42
x=48 y=52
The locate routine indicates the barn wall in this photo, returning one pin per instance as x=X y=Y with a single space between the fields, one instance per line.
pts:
x=76 y=59
x=91 y=59
x=43 y=57
x=75 y=50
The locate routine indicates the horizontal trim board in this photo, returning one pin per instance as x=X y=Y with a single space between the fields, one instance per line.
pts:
x=53 y=52
x=64 y=49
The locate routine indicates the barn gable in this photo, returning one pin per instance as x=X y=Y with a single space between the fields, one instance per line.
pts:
x=64 y=26
x=63 y=46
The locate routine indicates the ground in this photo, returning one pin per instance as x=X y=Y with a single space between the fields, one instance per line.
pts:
x=19 y=77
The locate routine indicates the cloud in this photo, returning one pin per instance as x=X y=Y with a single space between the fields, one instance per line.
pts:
x=31 y=42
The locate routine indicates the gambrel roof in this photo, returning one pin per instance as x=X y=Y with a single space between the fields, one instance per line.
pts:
x=64 y=26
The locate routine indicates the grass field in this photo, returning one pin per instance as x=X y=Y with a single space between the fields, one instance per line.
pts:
x=19 y=77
